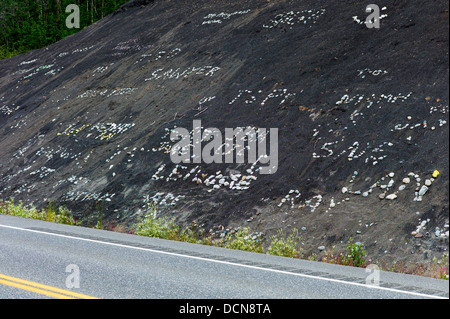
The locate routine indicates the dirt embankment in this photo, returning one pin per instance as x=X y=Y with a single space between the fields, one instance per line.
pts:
x=362 y=119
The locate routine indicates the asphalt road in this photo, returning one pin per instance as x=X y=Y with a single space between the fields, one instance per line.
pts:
x=46 y=260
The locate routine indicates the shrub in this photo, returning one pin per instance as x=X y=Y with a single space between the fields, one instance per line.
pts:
x=157 y=227
x=441 y=267
x=333 y=257
x=65 y=216
x=355 y=255
x=242 y=240
x=192 y=234
x=286 y=247
x=62 y=216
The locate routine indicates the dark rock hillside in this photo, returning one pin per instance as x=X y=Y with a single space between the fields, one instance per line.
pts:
x=361 y=113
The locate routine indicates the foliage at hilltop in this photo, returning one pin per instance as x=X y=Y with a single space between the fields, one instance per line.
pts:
x=32 y=24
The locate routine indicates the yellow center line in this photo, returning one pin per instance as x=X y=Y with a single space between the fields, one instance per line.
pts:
x=41 y=289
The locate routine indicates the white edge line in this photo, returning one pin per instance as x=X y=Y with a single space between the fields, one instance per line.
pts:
x=230 y=263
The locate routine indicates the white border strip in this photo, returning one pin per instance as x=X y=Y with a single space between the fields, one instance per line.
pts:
x=230 y=263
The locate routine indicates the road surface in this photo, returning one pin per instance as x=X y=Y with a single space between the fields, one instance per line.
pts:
x=46 y=260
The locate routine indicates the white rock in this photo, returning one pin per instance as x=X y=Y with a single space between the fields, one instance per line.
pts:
x=406 y=180
x=344 y=190
x=427 y=182
x=332 y=203
x=423 y=190
x=391 y=174
x=401 y=187
x=391 y=196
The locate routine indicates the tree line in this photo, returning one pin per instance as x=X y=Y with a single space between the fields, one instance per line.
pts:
x=32 y=24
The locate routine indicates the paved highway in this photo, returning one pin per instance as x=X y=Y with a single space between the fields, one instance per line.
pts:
x=46 y=260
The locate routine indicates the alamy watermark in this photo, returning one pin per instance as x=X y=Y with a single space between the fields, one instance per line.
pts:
x=73 y=279
x=373 y=279
x=373 y=19
x=230 y=150
x=73 y=19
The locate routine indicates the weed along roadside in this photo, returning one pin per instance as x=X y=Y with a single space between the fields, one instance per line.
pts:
x=62 y=215
x=279 y=244
x=310 y=130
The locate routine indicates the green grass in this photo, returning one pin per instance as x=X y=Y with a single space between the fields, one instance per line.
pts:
x=62 y=215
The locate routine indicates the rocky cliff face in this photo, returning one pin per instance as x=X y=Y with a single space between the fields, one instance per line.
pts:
x=361 y=113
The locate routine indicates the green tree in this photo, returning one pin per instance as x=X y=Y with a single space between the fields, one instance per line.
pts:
x=32 y=24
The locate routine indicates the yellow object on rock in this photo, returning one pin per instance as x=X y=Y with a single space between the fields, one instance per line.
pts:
x=435 y=174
